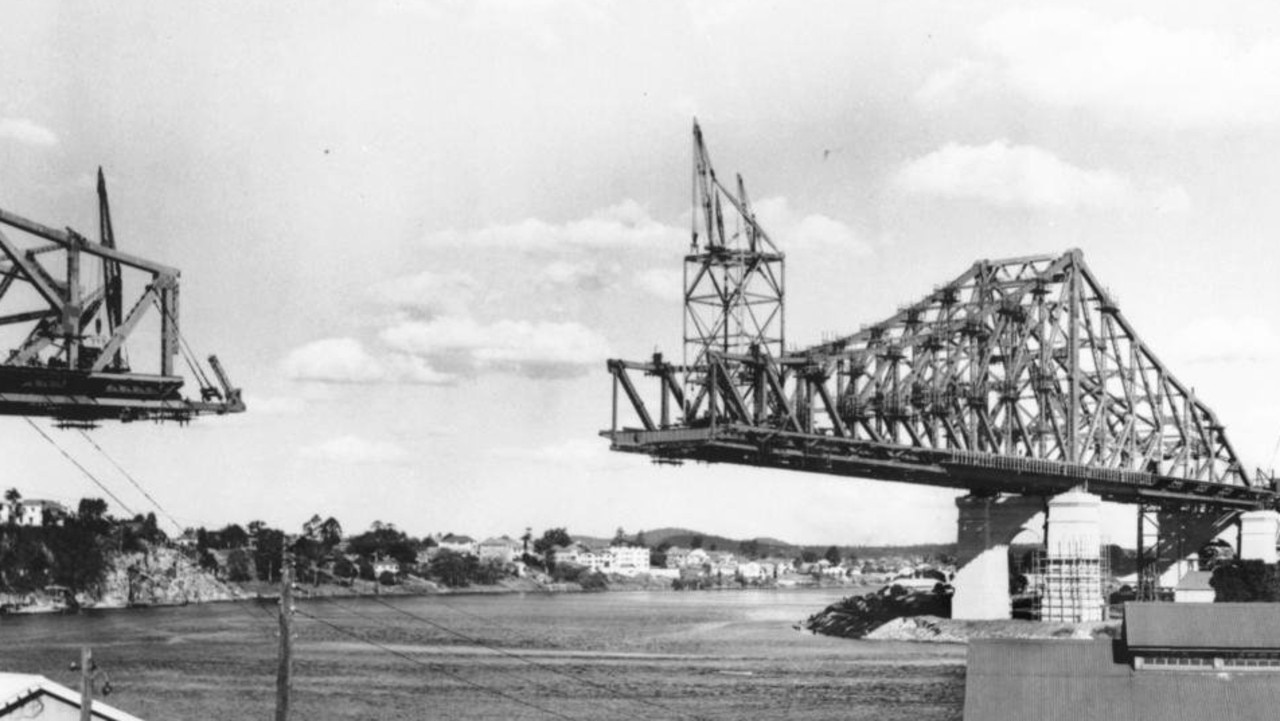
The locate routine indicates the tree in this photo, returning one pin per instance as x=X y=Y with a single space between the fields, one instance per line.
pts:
x=330 y=533
x=233 y=536
x=238 y=566
x=809 y=556
x=527 y=537
x=749 y=549
x=551 y=538
x=695 y=542
x=640 y=540
x=268 y=553
x=91 y=514
x=832 y=555
x=619 y=537
x=1245 y=581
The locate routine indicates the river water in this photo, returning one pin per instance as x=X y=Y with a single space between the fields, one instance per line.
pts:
x=626 y=655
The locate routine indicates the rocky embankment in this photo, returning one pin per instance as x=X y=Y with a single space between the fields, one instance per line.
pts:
x=158 y=577
x=924 y=617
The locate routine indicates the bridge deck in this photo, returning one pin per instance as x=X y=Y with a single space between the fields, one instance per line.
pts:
x=980 y=472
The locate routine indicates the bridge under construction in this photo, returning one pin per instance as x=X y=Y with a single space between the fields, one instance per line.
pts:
x=1020 y=381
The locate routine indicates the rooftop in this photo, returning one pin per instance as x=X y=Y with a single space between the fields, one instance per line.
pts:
x=1202 y=626
x=1090 y=680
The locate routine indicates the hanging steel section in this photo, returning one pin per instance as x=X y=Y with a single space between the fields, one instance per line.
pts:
x=67 y=365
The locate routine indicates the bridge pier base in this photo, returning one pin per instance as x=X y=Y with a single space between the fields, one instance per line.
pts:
x=1258 y=531
x=1072 y=566
x=987 y=525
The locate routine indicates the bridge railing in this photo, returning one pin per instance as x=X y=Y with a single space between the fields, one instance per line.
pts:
x=1041 y=466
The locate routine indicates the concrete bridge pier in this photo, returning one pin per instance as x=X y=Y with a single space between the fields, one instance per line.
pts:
x=1258 y=533
x=987 y=526
x=1071 y=570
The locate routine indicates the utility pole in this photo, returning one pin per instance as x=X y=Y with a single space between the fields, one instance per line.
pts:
x=285 y=668
x=86 y=684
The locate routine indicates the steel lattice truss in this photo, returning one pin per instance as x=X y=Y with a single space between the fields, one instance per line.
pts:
x=1019 y=376
x=71 y=360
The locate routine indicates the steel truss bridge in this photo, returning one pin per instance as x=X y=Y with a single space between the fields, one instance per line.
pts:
x=1019 y=376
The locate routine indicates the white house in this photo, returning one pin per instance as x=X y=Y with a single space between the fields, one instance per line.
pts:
x=1194 y=588
x=502 y=549
x=465 y=545
x=628 y=559
x=385 y=565
x=32 y=512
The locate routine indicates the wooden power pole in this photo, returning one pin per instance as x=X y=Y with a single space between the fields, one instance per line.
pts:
x=285 y=668
x=86 y=684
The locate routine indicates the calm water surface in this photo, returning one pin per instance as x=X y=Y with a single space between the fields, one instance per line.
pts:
x=697 y=655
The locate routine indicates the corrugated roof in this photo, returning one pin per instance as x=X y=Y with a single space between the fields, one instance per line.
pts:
x=1069 y=680
x=1202 y=626
x=17 y=688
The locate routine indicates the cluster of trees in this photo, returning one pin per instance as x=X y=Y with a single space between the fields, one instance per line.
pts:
x=1245 y=581
x=71 y=552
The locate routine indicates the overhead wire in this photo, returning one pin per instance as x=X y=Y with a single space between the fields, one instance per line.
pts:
x=134 y=481
x=457 y=677
x=76 y=463
x=523 y=659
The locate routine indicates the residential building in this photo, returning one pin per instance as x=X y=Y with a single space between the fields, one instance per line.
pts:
x=36 y=512
x=1194 y=588
x=628 y=559
x=385 y=565
x=501 y=549
x=676 y=557
x=465 y=545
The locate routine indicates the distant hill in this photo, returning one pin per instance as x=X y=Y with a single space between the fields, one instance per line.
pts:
x=768 y=546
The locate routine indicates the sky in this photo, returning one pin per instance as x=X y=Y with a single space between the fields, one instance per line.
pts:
x=414 y=232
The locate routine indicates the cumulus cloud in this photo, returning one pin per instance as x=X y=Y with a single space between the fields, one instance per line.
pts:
x=1024 y=175
x=353 y=450
x=1010 y=175
x=626 y=225
x=586 y=275
x=815 y=231
x=428 y=293
x=466 y=346
x=662 y=283
x=24 y=131
x=1227 y=340
x=345 y=360
x=1127 y=70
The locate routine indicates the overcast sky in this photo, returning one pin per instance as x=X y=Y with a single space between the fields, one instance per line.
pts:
x=414 y=232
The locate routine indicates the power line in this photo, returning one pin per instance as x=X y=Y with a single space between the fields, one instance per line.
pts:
x=456 y=677
x=523 y=659
x=76 y=463
x=134 y=481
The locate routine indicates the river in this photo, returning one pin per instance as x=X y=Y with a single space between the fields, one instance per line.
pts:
x=626 y=655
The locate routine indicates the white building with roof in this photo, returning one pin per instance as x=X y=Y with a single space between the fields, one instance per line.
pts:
x=25 y=696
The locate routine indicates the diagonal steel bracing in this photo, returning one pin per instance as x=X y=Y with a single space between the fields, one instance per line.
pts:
x=1019 y=375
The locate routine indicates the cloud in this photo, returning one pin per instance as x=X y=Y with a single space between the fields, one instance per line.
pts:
x=585 y=275
x=1227 y=340
x=1130 y=71
x=662 y=283
x=353 y=450
x=1019 y=175
x=577 y=453
x=428 y=293
x=345 y=360
x=792 y=232
x=533 y=349
x=626 y=225
x=26 y=132
x=274 y=405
